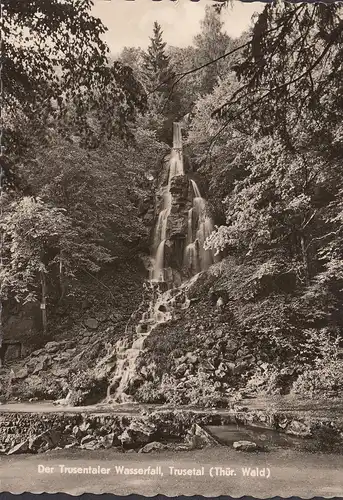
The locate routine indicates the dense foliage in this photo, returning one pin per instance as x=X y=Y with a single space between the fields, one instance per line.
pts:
x=269 y=140
x=264 y=115
x=56 y=73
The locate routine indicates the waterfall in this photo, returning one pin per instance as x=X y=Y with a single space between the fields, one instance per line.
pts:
x=195 y=226
x=196 y=257
x=160 y=310
x=175 y=168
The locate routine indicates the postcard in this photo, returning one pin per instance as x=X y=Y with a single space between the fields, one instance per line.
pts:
x=171 y=248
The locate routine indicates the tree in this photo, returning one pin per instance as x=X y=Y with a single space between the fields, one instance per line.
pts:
x=133 y=57
x=86 y=214
x=54 y=60
x=269 y=142
x=164 y=98
x=34 y=234
x=210 y=44
x=156 y=63
x=290 y=66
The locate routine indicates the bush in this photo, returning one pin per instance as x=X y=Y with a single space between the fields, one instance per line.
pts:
x=149 y=392
x=42 y=387
x=317 y=382
x=198 y=390
x=86 y=387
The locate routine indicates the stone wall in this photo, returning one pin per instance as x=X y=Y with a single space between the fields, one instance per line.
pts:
x=38 y=432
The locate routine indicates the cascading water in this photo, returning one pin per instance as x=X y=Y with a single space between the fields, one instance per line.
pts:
x=166 y=296
x=175 y=166
x=196 y=257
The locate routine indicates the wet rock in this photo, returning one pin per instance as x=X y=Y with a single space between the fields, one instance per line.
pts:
x=245 y=446
x=22 y=447
x=154 y=446
x=176 y=226
x=91 y=323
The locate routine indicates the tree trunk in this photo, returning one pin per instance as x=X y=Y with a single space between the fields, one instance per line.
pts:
x=61 y=276
x=43 y=302
x=305 y=259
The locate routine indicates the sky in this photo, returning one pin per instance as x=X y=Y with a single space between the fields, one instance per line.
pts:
x=130 y=22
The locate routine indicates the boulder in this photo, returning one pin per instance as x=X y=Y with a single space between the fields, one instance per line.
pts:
x=138 y=432
x=180 y=370
x=22 y=447
x=47 y=440
x=51 y=347
x=102 y=316
x=91 y=323
x=116 y=317
x=22 y=373
x=42 y=364
x=60 y=372
x=77 y=431
x=92 y=445
x=300 y=429
x=198 y=437
x=191 y=358
x=87 y=439
x=245 y=446
x=71 y=445
x=154 y=446
x=108 y=441
x=84 y=426
x=240 y=368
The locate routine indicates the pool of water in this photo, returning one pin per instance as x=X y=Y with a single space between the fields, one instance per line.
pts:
x=268 y=440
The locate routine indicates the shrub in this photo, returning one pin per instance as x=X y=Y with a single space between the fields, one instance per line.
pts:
x=198 y=390
x=42 y=387
x=149 y=392
x=328 y=377
x=87 y=387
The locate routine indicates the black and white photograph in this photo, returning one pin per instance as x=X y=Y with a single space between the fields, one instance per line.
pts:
x=171 y=247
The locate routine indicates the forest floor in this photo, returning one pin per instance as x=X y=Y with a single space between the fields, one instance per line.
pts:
x=291 y=473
